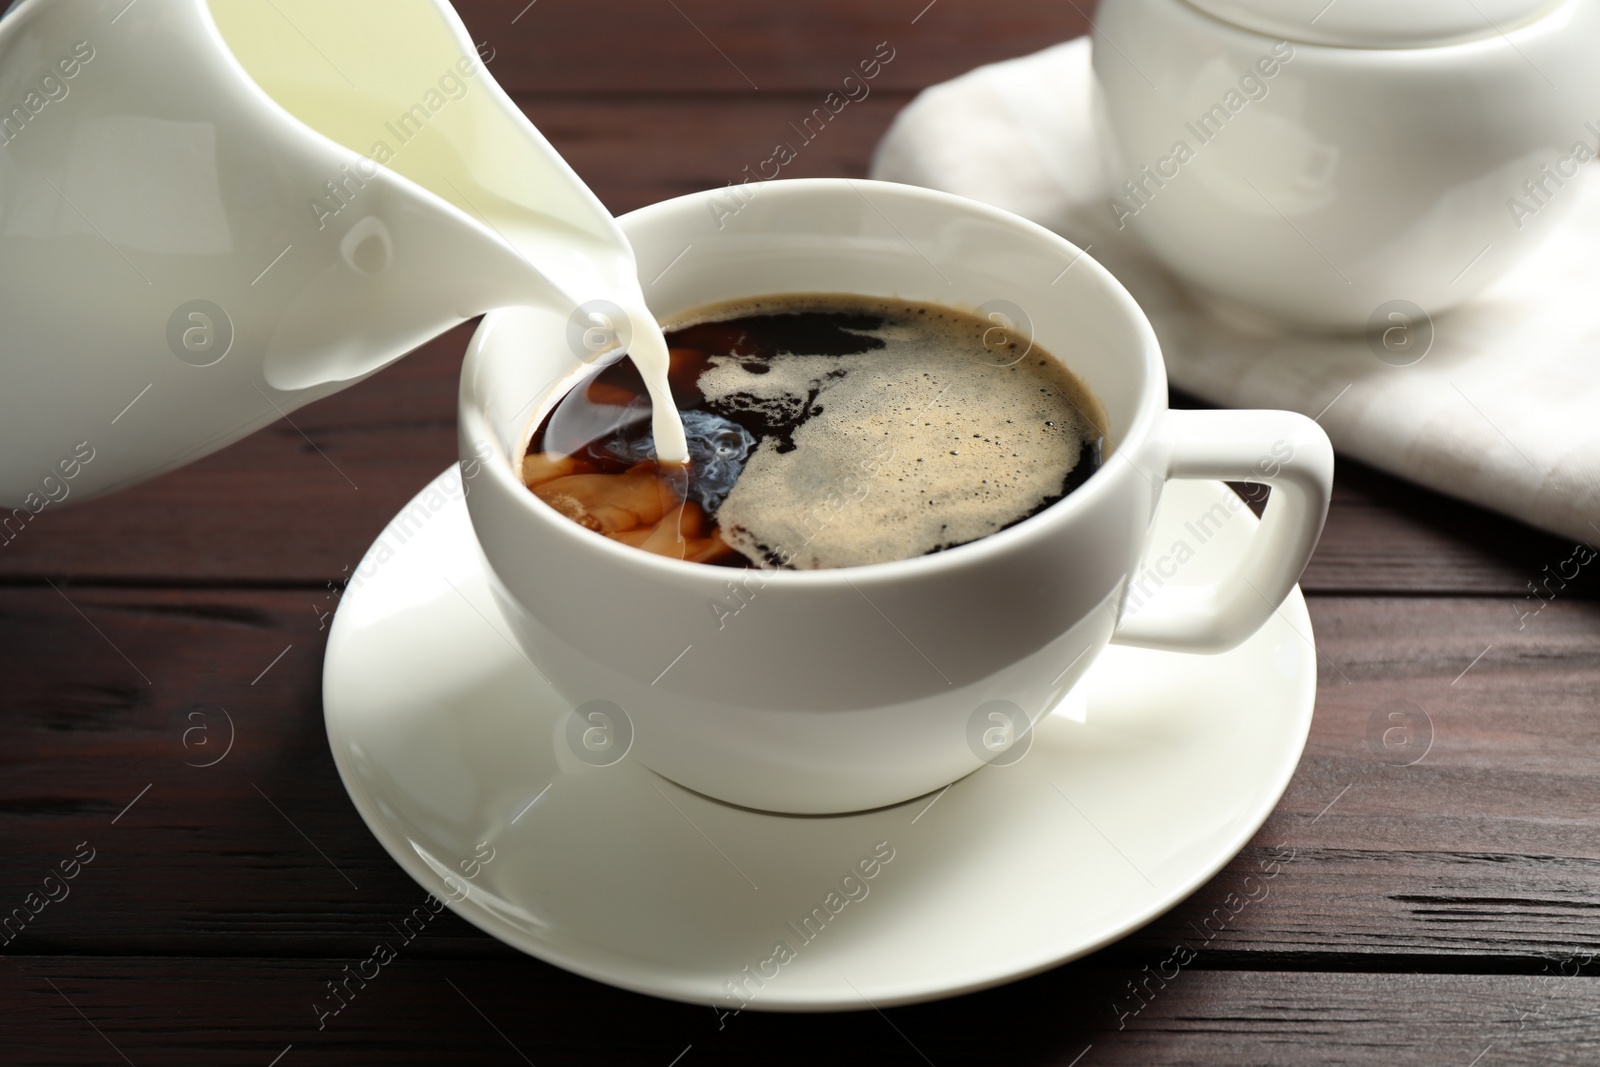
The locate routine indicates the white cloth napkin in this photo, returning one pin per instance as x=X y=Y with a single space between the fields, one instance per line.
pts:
x=1502 y=410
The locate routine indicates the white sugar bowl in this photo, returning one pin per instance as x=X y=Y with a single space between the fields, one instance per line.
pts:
x=1312 y=162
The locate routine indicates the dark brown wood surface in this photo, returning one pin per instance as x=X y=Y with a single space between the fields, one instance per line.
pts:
x=1432 y=913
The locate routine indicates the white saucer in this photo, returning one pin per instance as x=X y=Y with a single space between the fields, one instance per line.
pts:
x=1153 y=775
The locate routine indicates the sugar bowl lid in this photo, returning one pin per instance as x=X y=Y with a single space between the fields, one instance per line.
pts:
x=1378 y=23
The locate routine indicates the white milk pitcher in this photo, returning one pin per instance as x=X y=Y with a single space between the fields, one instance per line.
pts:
x=212 y=213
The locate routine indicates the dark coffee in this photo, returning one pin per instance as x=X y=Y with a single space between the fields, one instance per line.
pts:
x=824 y=431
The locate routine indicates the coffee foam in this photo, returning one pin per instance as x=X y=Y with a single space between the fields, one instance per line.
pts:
x=929 y=441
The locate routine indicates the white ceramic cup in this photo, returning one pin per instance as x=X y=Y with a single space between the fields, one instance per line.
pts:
x=847 y=689
x=1311 y=163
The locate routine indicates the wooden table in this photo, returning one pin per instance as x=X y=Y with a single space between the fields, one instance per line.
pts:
x=1438 y=913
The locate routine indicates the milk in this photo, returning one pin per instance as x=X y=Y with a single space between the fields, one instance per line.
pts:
x=392 y=81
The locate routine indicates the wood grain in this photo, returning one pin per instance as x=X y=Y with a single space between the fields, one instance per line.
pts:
x=1483 y=849
x=753 y=48
x=1438 y=911
x=220 y=1010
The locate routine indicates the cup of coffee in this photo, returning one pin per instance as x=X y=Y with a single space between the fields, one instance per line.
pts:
x=928 y=439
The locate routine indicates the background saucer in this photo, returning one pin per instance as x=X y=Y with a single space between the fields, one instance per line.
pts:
x=1149 y=778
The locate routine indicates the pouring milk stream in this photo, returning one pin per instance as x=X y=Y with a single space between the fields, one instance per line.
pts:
x=213 y=212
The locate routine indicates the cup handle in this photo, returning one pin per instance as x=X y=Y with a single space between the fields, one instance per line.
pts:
x=1281 y=449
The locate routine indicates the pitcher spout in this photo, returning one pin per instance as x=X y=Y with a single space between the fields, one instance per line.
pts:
x=387 y=280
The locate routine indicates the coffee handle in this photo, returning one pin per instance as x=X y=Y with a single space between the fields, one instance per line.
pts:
x=1281 y=449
